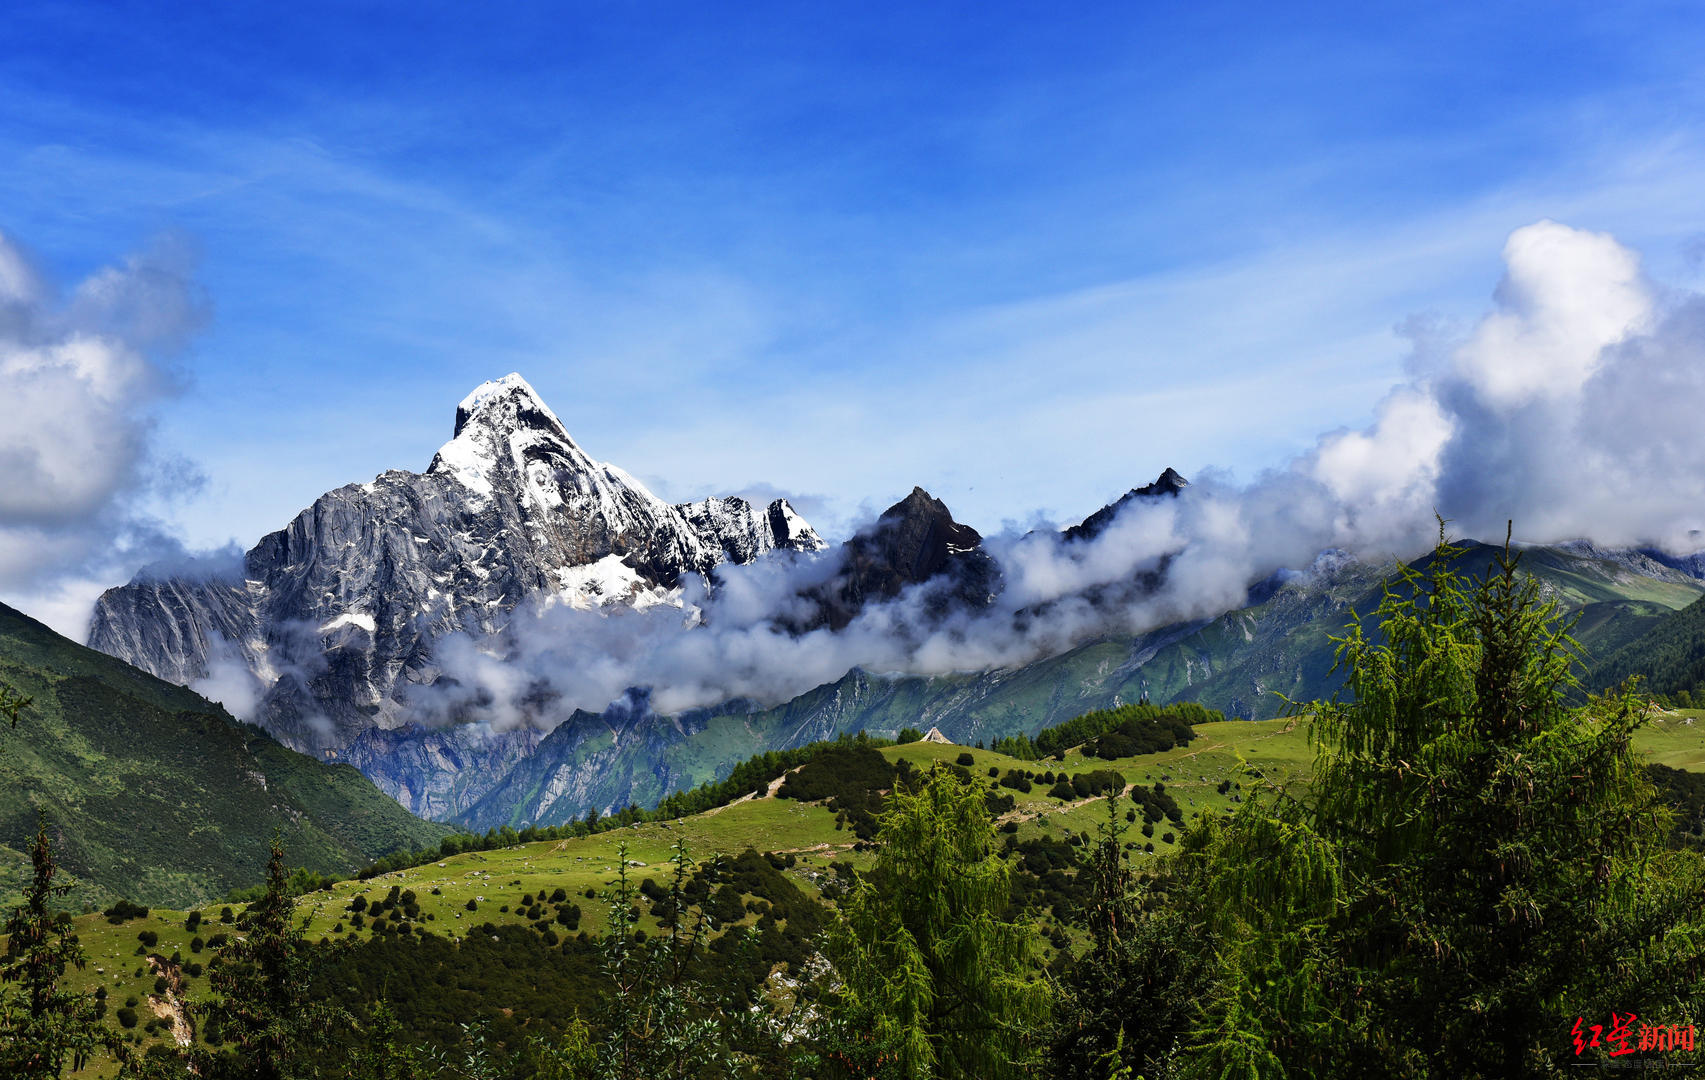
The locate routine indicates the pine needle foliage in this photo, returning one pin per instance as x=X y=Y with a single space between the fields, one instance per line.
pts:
x=1476 y=865
x=43 y=1027
x=262 y=976
x=660 y=1021
x=934 y=975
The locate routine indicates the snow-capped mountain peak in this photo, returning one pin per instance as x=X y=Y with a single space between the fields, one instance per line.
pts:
x=506 y=437
x=504 y=402
x=361 y=586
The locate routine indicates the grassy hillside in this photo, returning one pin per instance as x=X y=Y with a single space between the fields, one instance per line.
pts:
x=1242 y=661
x=1670 y=656
x=155 y=794
x=1211 y=773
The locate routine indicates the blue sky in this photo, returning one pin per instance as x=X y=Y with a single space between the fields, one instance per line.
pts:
x=1025 y=258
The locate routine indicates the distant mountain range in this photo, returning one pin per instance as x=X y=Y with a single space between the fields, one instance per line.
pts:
x=337 y=621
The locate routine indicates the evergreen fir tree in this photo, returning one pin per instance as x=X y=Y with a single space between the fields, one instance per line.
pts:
x=43 y=1028
x=263 y=974
x=1116 y=1009
x=385 y=1052
x=936 y=980
x=1476 y=865
x=659 y=1023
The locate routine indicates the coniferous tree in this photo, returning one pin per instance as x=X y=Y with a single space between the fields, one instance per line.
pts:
x=43 y=1027
x=659 y=1023
x=935 y=978
x=1090 y=1014
x=1116 y=1006
x=263 y=975
x=1476 y=865
x=384 y=1052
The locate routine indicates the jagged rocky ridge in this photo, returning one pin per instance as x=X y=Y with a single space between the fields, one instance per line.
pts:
x=335 y=616
x=1168 y=483
x=914 y=542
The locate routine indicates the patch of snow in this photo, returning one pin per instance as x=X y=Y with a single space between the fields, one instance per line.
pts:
x=800 y=530
x=609 y=581
x=351 y=618
x=541 y=484
x=467 y=461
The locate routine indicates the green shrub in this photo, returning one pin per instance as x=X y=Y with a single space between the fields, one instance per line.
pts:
x=124 y=911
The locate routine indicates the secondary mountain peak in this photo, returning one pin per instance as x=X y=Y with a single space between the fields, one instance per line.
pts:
x=1168 y=483
x=918 y=502
x=746 y=531
x=914 y=541
x=919 y=533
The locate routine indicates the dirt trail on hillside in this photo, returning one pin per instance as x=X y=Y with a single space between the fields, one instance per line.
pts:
x=170 y=1005
x=815 y=849
x=769 y=793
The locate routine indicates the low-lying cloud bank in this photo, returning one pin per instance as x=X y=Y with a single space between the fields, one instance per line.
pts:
x=1573 y=407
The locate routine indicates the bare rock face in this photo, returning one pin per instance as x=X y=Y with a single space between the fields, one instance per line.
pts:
x=914 y=542
x=333 y=617
x=436 y=772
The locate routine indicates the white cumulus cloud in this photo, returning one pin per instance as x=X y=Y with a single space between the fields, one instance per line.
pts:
x=80 y=376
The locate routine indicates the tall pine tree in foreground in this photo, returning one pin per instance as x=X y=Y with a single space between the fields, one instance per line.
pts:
x=1116 y=1002
x=1475 y=864
x=43 y=1027
x=262 y=976
x=936 y=980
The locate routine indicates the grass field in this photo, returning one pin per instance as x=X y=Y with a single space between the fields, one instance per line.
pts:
x=497 y=880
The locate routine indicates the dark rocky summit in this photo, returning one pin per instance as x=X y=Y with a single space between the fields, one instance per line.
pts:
x=1169 y=483
x=914 y=541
